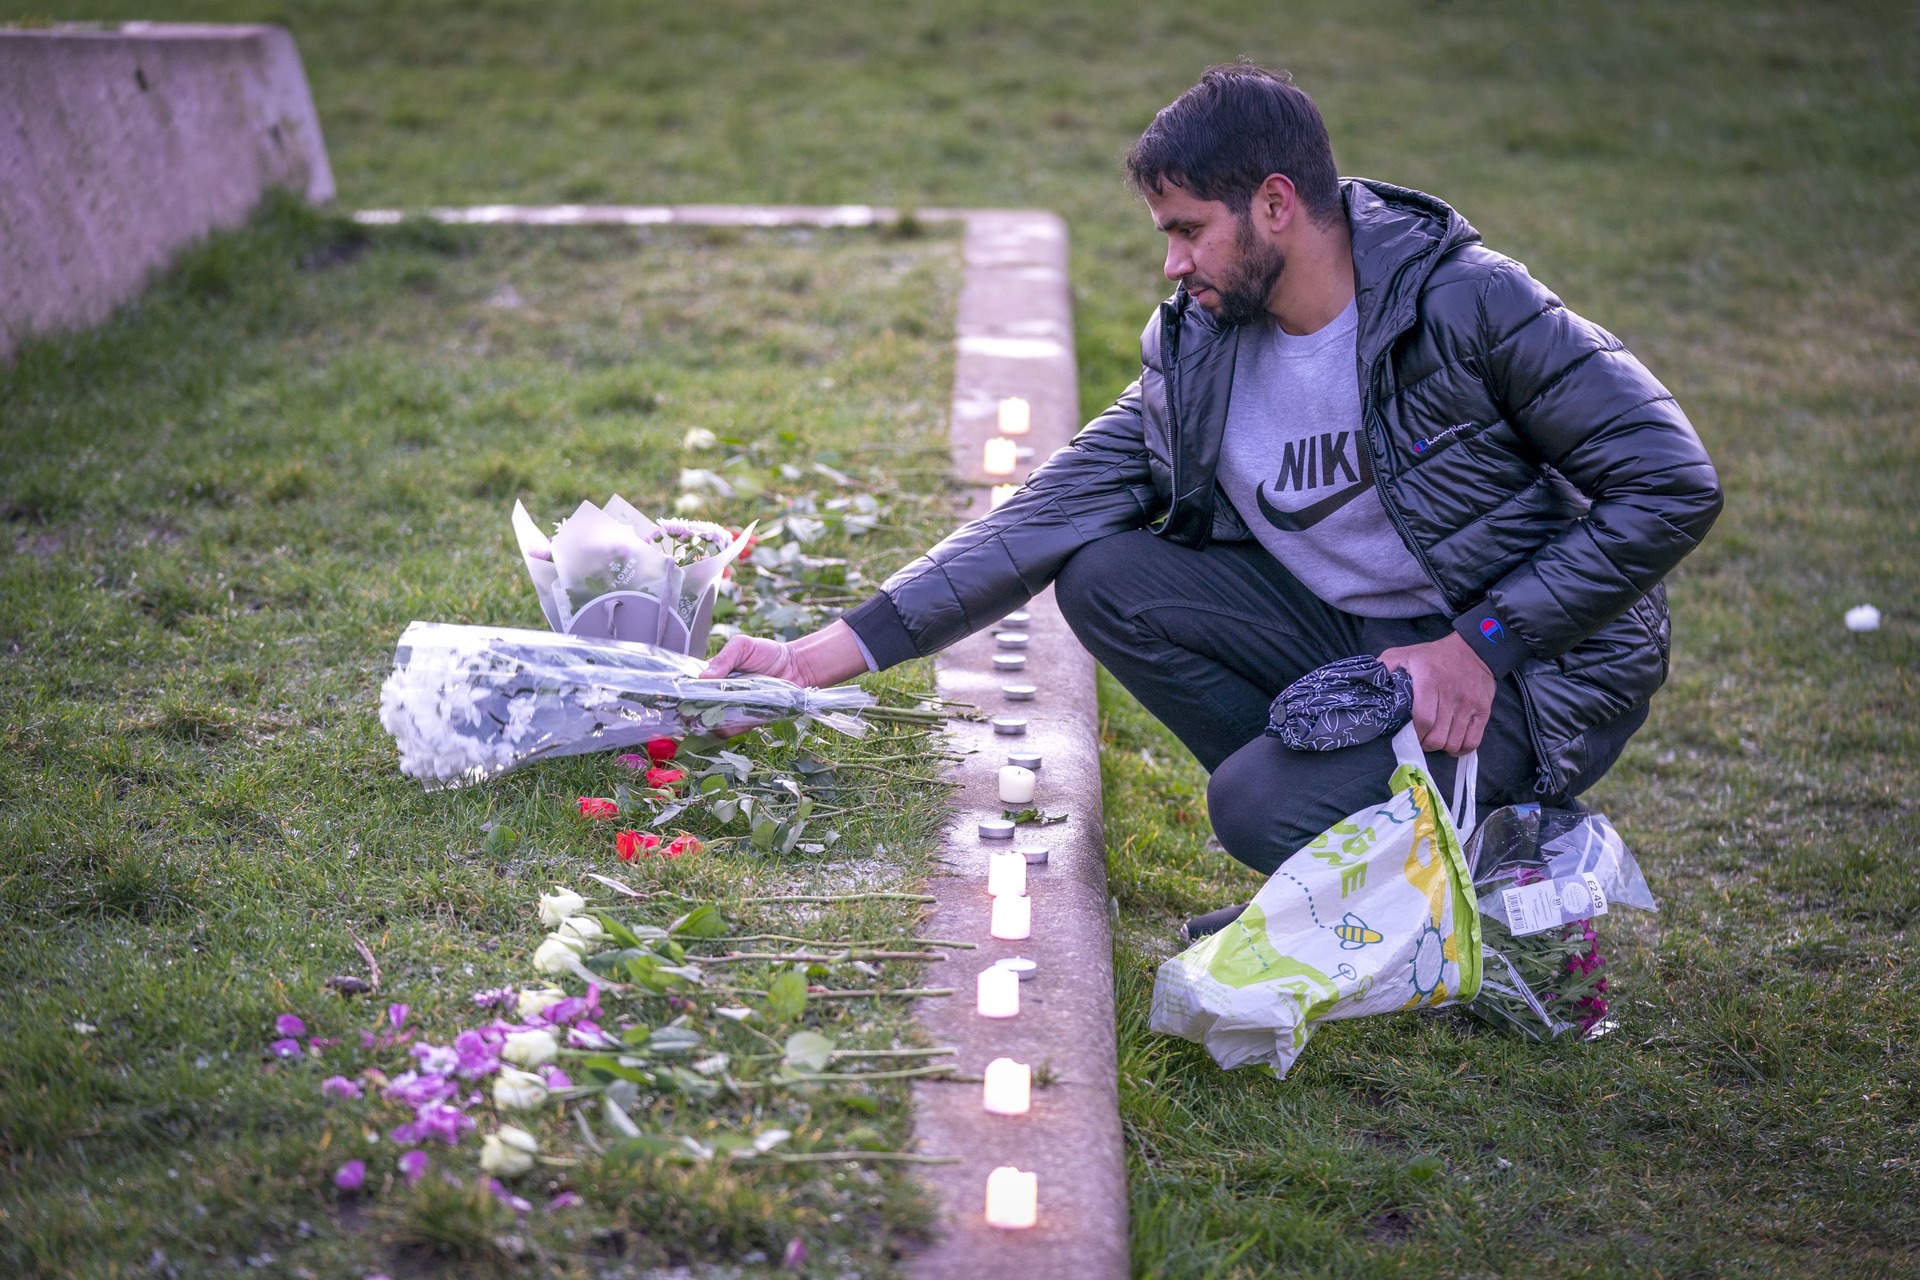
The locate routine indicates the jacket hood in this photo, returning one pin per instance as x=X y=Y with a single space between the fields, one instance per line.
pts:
x=1399 y=235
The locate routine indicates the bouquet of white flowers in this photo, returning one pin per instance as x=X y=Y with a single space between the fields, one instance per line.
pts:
x=616 y=574
x=468 y=703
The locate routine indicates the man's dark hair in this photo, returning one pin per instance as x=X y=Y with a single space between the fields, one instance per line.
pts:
x=1220 y=139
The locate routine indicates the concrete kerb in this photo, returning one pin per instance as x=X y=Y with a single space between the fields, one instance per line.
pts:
x=1014 y=337
x=120 y=146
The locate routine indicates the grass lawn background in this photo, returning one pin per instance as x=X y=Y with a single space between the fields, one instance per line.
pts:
x=1729 y=187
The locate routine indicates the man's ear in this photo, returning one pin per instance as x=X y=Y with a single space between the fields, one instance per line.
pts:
x=1275 y=203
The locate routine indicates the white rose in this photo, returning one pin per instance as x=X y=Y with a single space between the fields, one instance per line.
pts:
x=508 y=1152
x=530 y=1048
x=558 y=954
x=585 y=928
x=699 y=438
x=518 y=1090
x=532 y=1003
x=558 y=905
x=688 y=503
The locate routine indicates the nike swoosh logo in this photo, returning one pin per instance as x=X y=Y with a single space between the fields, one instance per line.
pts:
x=1314 y=512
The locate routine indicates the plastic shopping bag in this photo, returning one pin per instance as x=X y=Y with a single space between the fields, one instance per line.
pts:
x=1375 y=915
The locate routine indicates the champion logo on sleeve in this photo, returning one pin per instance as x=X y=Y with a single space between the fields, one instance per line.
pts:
x=1491 y=630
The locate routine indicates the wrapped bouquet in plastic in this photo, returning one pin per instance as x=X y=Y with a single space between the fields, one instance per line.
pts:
x=469 y=703
x=616 y=574
x=1542 y=877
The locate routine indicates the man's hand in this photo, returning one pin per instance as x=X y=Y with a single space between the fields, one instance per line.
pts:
x=1452 y=692
x=826 y=657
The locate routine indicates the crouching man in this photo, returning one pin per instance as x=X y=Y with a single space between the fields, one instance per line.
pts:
x=1356 y=429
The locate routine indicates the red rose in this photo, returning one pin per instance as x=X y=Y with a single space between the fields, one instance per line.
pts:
x=664 y=777
x=661 y=750
x=684 y=844
x=631 y=844
x=597 y=809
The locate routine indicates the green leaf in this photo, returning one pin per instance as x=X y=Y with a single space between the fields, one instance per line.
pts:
x=646 y=1146
x=502 y=839
x=809 y=1050
x=704 y=921
x=711 y=783
x=764 y=831
x=787 y=996
x=724 y=811
x=1426 y=1168
x=617 y=931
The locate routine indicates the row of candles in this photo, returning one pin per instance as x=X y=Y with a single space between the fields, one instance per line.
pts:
x=1013 y=1196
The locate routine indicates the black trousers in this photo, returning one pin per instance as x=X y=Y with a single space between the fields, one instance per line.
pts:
x=1206 y=640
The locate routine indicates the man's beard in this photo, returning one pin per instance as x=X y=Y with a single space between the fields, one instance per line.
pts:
x=1244 y=292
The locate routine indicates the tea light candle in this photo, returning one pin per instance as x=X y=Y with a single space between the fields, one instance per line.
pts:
x=1025 y=759
x=1016 y=785
x=1018 y=964
x=1006 y=872
x=1009 y=661
x=1000 y=457
x=1012 y=918
x=1013 y=1198
x=997 y=992
x=996 y=829
x=1035 y=857
x=1000 y=493
x=1018 y=692
x=1016 y=416
x=1018 y=618
x=1010 y=726
x=1010 y=639
x=1009 y=1088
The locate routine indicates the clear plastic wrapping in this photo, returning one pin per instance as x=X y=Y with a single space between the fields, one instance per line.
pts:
x=1542 y=877
x=469 y=703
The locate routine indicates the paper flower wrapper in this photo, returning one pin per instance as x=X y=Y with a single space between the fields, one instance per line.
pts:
x=469 y=703
x=1375 y=915
x=616 y=574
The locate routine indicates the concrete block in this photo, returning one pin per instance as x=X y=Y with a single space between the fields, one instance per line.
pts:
x=121 y=146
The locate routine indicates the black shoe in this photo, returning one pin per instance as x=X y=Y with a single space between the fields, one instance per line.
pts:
x=1213 y=922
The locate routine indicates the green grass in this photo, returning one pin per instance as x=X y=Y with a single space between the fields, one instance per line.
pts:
x=1729 y=186
x=222 y=508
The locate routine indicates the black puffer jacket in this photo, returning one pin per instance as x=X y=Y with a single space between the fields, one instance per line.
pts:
x=1540 y=475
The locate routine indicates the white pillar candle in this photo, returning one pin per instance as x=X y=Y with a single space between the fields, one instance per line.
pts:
x=1016 y=784
x=1000 y=493
x=1013 y=1198
x=1016 y=416
x=1012 y=918
x=1006 y=872
x=1009 y=1089
x=1001 y=458
x=998 y=992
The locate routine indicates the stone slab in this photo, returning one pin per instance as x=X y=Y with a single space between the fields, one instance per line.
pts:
x=121 y=146
x=1015 y=337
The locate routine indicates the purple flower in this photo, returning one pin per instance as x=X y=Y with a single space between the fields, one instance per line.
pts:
x=288 y=1048
x=397 y=1015
x=366 y=1040
x=574 y=1007
x=351 y=1176
x=318 y=1043
x=588 y=1035
x=289 y=1025
x=633 y=761
x=497 y=996
x=415 y=1090
x=436 y=1120
x=565 y=1200
x=555 y=1077
x=795 y=1256
x=507 y=1197
x=476 y=1054
x=436 y=1060
x=340 y=1087
x=413 y=1166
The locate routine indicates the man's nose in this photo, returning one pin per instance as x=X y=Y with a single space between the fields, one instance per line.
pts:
x=1179 y=262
